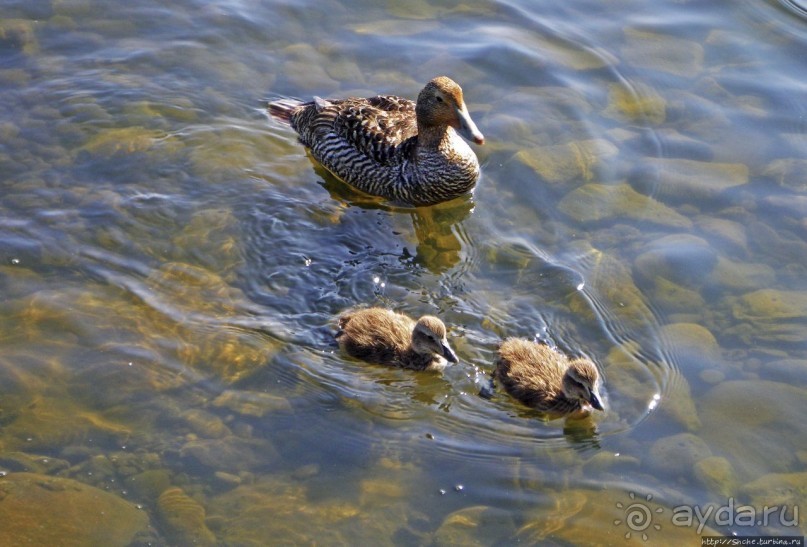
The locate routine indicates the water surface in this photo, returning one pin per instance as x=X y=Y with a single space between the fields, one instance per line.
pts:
x=173 y=260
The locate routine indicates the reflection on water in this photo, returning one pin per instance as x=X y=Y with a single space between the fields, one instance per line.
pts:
x=171 y=264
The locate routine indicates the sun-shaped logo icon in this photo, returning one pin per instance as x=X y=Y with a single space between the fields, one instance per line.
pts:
x=638 y=516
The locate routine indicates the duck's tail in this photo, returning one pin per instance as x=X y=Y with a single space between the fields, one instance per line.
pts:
x=282 y=109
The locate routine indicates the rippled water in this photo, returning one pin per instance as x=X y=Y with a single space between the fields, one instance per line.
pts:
x=172 y=263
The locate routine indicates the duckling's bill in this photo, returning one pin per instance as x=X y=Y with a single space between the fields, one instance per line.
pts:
x=449 y=354
x=596 y=401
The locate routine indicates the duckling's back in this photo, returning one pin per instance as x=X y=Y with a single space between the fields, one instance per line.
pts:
x=532 y=373
x=375 y=335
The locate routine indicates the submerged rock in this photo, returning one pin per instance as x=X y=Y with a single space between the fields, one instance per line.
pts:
x=637 y=103
x=630 y=378
x=717 y=475
x=126 y=140
x=148 y=485
x=789 y=173
x=183 y=519
x=280 y=510
x=230 y=453
x=678 y=454
x=777 y=489
x=611 y=281
x=724 y=233
x=663 y=52
x=605 y=517
x=767 y=428
x=773 y=316
x=477 y=525
x=673 y=298
x=691 y=181
x=19 y=34
x=566 y=162
x=598 y=202
x=691 y=342
x=743 y=276
x=679 y=405
x=681 y=258
x=784 y=495
x=45 y=510
x=252 y=403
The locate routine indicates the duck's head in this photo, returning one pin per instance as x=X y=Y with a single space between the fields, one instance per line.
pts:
x=441 y=104
x=582 y=382
x=429 y=338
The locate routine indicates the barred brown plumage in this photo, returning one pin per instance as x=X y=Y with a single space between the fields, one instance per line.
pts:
x=390 y=146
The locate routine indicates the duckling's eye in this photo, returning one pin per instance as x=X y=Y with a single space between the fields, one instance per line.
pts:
x=439 y=99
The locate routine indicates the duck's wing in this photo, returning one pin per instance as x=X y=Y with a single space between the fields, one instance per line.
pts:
x=382 y=128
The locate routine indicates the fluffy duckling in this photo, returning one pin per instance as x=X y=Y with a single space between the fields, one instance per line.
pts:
x=385 y=337
x=546 y=379
x=389 y=146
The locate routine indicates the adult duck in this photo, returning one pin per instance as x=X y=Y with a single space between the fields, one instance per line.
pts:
x=388 y=146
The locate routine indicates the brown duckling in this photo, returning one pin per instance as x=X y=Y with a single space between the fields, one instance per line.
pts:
x=548 y=380
x=385 y=337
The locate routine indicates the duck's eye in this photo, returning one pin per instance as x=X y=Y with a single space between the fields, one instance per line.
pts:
x=439 y=99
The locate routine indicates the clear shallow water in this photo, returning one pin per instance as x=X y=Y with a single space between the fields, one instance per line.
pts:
x=173 y=262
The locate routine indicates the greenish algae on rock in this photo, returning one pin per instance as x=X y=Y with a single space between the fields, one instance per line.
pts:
x=231 y=453
x=663 y=52
x=637 y=103
x=773 y=316
x=718 y=476
x=678 y=454
x=598 y=517
x=767 y=425
x=127 y=140
x=673 y=298
x=691 y=181
x=252 y=403
x=566 y=162
x=476 y=525
x=598 y=202
x=787 y=492
x=281 y=510
x=693 y=339
x=54 y=421
x=44 y=510
x=611 y=282
x=743 y=276
x=147 y=486
x=630 y=378
x=679 y=405
x=183 y=519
